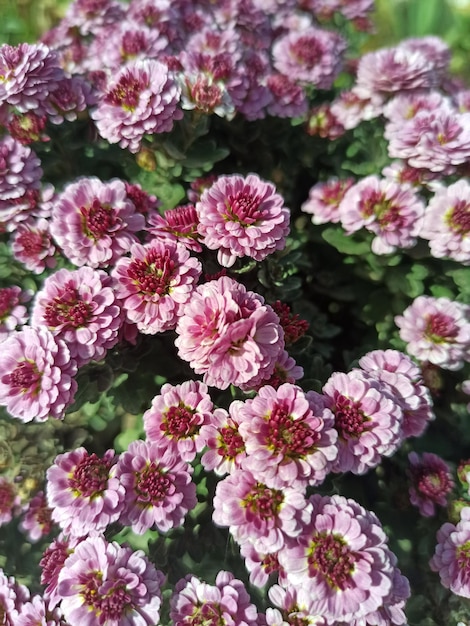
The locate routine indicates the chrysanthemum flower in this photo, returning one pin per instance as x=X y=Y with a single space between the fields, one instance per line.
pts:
x=431 y=482
x=32 y=245
x=94 y=222
x=159 y=490
x=289 y=98
x=229 y=334
x=293 y=607
x=51 y=563
x=9 y=501
x=37 y=612
x=350 y=108
x=12 y=596
x=447 y=223
x=242 y=217
x=285 y=370
x=108 y=584
x=225 y=446
x=341 y=558
x=92 y=16
x=324 y=200
x=155 y=283
x=71 y=96
x=37 y=521
x=393 y=212
x=177 y=415
x=226 y=602
x=83 y=492
x=262 y=566
x=27 y=127
x=79 y=306
x=289 y=441
x=452 y=555
x=142 y=100
x=368 y=421
x=178 y=224
x=436 y=330
x=256 y=513
x=20 y=170
x=13 y=313
x=405 y=384
x=36 y=375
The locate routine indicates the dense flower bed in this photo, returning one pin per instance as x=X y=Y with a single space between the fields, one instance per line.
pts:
x=234 y=320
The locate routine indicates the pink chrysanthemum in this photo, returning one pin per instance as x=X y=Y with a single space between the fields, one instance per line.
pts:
x=20 y=172
x=350 y=108
x=289 y=441
x=92 y=16
x=436 y=330
x=289 y=98
x=29 y=73
x=37 y=612
x=285 y=370
x=12 y=596
x=341 y=558
x=71 y=96
x=83 y=492
x=32 y=245
x=324 y=200
x=27 y=127
x=431 y=482
x=225 y=446
x=9 y=501
x=178 y=224
x=177 y=415
x=226 y=602
x=94 y=222
x=159 y=490
x=405 y=384
x=51 y=564
x=311 y=55
x=13 y=313
x=37 y=520
x=229 y=334
x=105 y=583
x=258 y=514
x=447 y=223
x=142 y=100
x=242 y=217
x=36 y=375
x=155 y=283
x=262 y=566
x=79 y=306
x=393 y=212
x=452 y=555
x=368 y=421
x=293 y=608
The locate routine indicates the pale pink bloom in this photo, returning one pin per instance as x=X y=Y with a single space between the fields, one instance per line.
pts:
x=178 y=224
x=447 y=222
x=32 y=245
x=37 y=612
x=37 y=521
x=431 y=482
x=13 y=313
x=289 y=98
x=51 y=563
x=71 y=97
x=293 y=607
x=225 y=446
x=177 y=416
x=92 y=16
x=405 y=106
x=94 y=222
x=242 y=217
x=286 y=370
x=262 y=566
x=83 y=492
x=9 y=501
x=368 y=421
x=436 y=330
x=12 y=597
x=350 y=108
x=393 y=212
x=324 y=199
x=154 y=284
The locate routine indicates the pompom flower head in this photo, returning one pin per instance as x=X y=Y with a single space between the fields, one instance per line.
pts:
x=431 y=482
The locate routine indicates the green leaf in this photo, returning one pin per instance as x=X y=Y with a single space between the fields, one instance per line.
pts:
x=347 y=244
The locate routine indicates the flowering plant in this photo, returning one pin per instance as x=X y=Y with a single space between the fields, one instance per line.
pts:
x=234 y=320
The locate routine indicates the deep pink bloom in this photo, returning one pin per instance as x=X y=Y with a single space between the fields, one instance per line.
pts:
x=405 y=384
x=289 y=98
x=258 y=514
x=447 y=223
x=95 y=222
x=52 y=562
x=142 y=100
x=36 y=375
x=177 y=415
x=226 y=448
x=285 y=370
x=158 y=486
x=37 y=521
x=9 y=501
x=226 y=602
x=263 y=566
x=452 y=555
x=324 y=200
x=431 y=482
x=71 y=96
x=111 y=585
x=32 y=245
x=289 y=441
x=242 y=217
x=341 y=557
x=27 y=127
x=13 y=313
x=155 y=283
x=393 y=212
x=79 y=306
x=92 y=16
x=178 y=224
x=229 y=334
x=368 y=421
x=436 y=330
x=83 y=492
x=351 y=108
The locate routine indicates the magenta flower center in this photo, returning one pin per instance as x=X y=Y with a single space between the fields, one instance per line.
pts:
x=67 y=309
x=243 y=208
x=25 y=377
x=132 y=45
x=290 y=437
x=114 y=604
x=90 y=476
x=207 y=614
x=350 y=421
x=7 y=498
x=385 y=211
x=271 y=564
x=205 y=95
x=98 y=220
x=441 y=328
x=126 y=94
x=330 y=557
x=52 y=561
x=306 y=51
x=231 y=443
x=182 y=221
x=33 y=243
x=153 y=275
x=8 y=299
x=152 y=485
x=263 y=502
x=459 y=218
x=433 y=483
x=180 y=422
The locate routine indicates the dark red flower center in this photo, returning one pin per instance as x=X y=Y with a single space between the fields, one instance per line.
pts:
x=7 y=497
x=98 y=219
x=243 y=208
x=307 y=51
x=114 y=604
x=153 y=275
x=205 y=94
x=52 y=561
x=133 y=43
x=126 y=94
x=180 y=422
x=462 y=554
x=263 y=502
x=25 y=377
x=330 y=557
x=350 y=420
x=383 y=208
x=432 y=483
x=32 y=242
x=231 y=443
x=90 y=476
x=182 y=221
x=207 y=614
x=441 y=328
x=152 y=485
x=8 y=299
x=290 y=437
x=271 y=564
x=67 y=309
x=459 y=218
